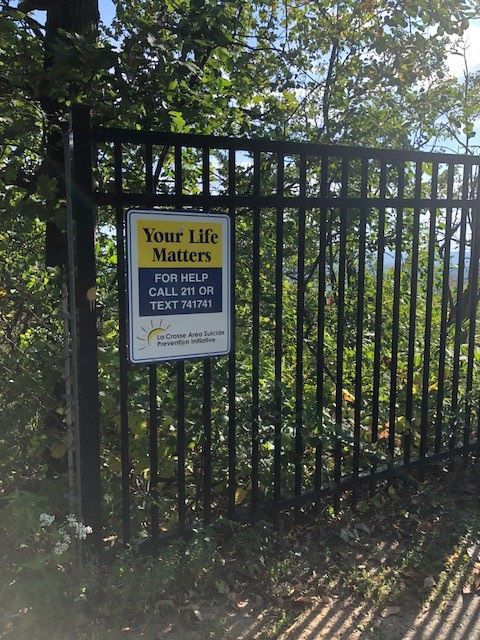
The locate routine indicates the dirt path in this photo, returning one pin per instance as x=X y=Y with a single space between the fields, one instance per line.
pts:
x=410 y=575
x=332 y=619
x=459 y=620
x=444 y=612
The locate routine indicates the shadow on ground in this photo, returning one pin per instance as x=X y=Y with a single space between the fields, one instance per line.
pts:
x=408 y=569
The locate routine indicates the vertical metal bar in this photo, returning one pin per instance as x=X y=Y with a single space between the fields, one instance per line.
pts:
x=207 y=440
x=378 y=306
x=122 y=345
x=277 y=470
x=181 y=439
x=407 y=451
x=318 y=469
x=413 y=314
x=82 y=274
x=458 y=311
x=474 y=298
x=359 y=321
x=428 y=318
x=232 y=437
x=443 y=315
x=152 y=384
x=149 y=170
x=255 y=331
x=71 y=362
x=322 y=244
x=300 y=334
x=472 y=302
x=181 y=442
x=395 y=314
x=70 y=418
x=177 y=160
x=340 y=334
x=207 y=387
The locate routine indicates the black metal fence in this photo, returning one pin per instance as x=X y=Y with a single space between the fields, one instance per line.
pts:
x=355 y=350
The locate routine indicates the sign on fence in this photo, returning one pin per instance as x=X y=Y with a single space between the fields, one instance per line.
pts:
x=178 y=285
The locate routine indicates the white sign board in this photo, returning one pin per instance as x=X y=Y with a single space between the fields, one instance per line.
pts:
x=178 y=288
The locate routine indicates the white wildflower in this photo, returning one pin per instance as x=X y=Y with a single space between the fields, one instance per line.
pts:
x=60 y=548
x=81 y=530
x=46 y=520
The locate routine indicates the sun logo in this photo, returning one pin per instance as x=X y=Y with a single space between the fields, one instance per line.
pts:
x=151 y=334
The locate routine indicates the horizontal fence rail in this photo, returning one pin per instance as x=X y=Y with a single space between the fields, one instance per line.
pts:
x=355 y=344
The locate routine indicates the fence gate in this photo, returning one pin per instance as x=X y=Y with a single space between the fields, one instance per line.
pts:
x=354 y=336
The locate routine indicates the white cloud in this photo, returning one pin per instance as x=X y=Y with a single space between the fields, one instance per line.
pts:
x=471 y=38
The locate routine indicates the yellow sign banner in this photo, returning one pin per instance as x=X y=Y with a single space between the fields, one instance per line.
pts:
x=164 y=243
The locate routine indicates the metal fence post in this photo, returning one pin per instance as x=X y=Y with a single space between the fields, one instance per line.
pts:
x=82 y=280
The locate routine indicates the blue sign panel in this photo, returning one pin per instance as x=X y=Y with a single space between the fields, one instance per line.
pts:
x=164 y=292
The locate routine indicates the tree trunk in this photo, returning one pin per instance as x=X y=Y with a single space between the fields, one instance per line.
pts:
x=71 y=16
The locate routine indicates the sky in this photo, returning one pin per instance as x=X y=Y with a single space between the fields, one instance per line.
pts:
x=107 y=10
x=472 y=40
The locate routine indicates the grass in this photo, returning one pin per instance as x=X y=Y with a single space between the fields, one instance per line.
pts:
x=410 y=549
